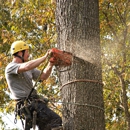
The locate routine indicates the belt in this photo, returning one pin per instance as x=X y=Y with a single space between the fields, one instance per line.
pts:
x=30 y=98
x=17 y=100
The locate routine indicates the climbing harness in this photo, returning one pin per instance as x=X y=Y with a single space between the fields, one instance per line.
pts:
x=27 y=110
x=22 y=110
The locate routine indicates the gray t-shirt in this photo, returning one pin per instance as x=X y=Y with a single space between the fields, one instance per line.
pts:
x=20 y=84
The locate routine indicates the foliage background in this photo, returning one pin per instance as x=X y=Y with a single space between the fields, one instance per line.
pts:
x=34 y=22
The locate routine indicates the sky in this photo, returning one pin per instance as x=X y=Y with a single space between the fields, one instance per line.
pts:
x=9 y=120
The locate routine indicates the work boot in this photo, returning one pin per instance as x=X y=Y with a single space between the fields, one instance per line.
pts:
x=57 y=128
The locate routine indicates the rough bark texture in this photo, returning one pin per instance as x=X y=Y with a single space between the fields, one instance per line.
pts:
x=78 y=32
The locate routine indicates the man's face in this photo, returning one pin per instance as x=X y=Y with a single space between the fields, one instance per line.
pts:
x=26 y=55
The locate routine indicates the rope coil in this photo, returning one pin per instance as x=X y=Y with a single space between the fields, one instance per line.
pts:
x=80 y=104
x=80 y=80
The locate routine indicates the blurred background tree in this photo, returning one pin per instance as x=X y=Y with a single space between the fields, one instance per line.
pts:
x=115 y=43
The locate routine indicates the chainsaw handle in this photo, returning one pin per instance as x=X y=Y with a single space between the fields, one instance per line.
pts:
x=60 y=58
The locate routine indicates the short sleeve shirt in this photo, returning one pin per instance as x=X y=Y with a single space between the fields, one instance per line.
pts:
x=20 y=84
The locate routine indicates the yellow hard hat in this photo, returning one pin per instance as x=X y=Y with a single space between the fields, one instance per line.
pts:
x=18 y=46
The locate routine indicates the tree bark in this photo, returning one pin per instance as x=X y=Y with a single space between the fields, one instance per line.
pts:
x=81 y=83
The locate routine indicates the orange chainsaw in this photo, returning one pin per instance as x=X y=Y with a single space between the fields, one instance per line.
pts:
x=60 y=58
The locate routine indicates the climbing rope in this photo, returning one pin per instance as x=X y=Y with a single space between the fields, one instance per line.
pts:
x=80 y=80
x=78 y=104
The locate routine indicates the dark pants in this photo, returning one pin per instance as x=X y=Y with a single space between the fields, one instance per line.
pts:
x=46 y=118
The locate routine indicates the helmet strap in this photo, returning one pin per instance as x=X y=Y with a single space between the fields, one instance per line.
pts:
x=21 y=57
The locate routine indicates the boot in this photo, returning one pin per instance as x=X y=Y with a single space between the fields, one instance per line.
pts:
x=57 y=128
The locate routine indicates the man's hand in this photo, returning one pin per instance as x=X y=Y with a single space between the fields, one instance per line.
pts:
x=48 y=53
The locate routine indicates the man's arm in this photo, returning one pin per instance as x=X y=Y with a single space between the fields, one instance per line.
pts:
x=47 y=71
x=32 y=64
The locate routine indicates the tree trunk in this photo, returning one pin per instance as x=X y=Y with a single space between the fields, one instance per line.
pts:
x=81 y=84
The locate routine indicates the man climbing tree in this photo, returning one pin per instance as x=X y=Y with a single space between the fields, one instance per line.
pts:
x=82 y=89
x=19 y=75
